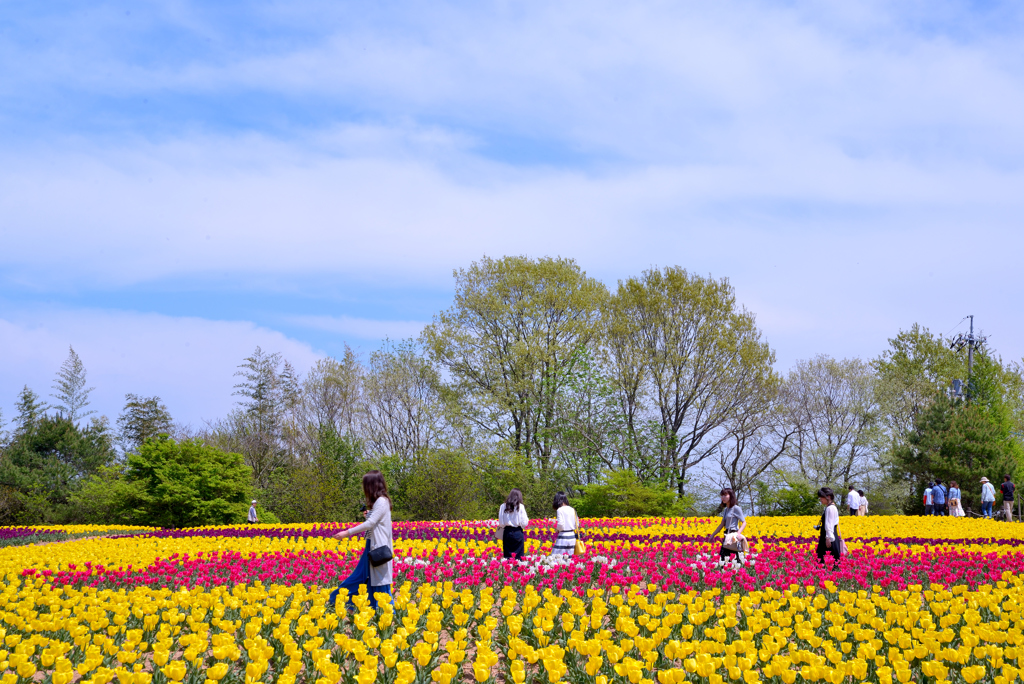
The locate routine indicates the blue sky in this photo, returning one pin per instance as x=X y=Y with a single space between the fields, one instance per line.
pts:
x=182 y=181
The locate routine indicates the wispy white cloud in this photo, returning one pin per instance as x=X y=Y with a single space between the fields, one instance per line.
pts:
x=360 y=328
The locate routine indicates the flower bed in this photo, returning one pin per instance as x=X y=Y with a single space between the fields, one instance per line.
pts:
x=649 y=602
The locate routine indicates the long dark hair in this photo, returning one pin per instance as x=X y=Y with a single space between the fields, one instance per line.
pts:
x=375 y=487
x=826 y=493
x=514 y=501
x=732 y=496
x=561 y=500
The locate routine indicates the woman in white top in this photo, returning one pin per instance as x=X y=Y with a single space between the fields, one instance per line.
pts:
x=378 y=533
x=828 y=539
x=512 y=518
x=565 y=527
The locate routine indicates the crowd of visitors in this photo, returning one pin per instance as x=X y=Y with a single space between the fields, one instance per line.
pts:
x=942 y=500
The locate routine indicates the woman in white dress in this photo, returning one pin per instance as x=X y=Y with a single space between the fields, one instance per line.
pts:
x=512 y=519
x=565 y=527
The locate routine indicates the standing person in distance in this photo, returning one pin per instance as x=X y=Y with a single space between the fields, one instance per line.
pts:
x=829 y=540
x=988 y=497
x=938 y=498
x=853 y=500
x=566 y=523
x=512 y=518
x=954 y=499
x=928 y=498
x=1007 y=490
x=733 y=520
x=253 y=518
x=863 y=510
x=377 y=529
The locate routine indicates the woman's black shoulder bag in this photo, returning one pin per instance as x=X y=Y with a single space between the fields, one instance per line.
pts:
x=380 y=555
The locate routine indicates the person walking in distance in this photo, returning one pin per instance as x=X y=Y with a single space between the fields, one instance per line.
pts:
x=512 y=519
x=253 y=517
x=863 y=510
x=1007 y=490
x=928 y=498
x=955 y=509
x=566 y=523
x=853 y=500
x=733 y=521
x=988 y=497
x=938 y=499
x=829 y=540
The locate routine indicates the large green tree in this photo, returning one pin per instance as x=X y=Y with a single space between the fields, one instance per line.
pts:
x=49 y=457
x=682 y=349
x=516 y=330
x=404 y=407
x=931 y=434
x=958 y=440
x=916 y=365
x=837 y=435
x=327 y=486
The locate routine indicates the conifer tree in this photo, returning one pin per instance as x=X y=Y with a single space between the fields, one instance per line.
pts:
x=71 y=392
x=142 y=419
x=30 y=409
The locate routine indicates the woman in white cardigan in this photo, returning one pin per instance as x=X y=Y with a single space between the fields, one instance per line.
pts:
x=512 y=519
x=378 y=533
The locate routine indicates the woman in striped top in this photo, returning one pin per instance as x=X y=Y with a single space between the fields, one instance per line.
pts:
x=565 y=527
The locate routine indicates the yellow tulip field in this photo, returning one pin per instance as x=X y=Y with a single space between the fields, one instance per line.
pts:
x=915 y=600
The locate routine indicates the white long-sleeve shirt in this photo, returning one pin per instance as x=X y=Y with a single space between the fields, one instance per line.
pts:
x=988 y=492
x=831 y=520
x=517 y=519
x=853 y=500
x=565 y=519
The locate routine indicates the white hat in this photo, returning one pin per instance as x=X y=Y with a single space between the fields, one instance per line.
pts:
x=254 y=502
x=984 y=479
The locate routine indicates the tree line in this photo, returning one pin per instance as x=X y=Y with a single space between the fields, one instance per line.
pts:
x=642 y=400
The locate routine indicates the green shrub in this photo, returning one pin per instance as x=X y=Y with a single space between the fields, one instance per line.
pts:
x=184 y=484
x=623 y=495
x=796 y=498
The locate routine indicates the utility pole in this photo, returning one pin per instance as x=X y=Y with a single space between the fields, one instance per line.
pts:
x=970 y=350
x=972 y=342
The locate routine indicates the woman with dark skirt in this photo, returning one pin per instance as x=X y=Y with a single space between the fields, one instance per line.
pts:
x=377 y=529
x=829 y=539
x=733 y=521
x=512 y=519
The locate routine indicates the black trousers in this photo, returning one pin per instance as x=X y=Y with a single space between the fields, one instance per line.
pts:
x=513 y=543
